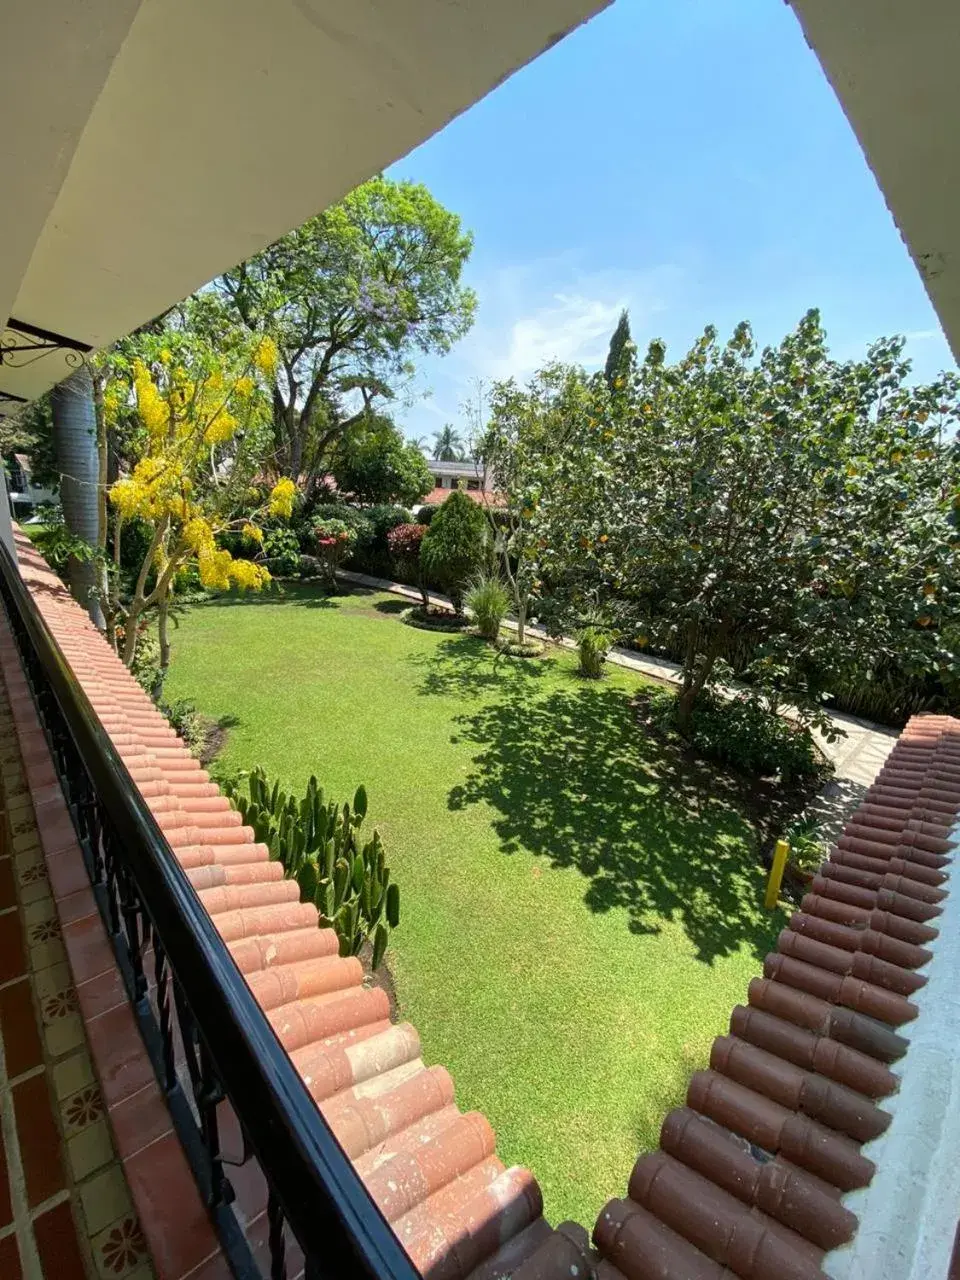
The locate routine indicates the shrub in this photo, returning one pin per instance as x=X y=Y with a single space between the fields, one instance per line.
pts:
x=489 y=601
x=807 y=849
x=742 y=733
x=403 y=543
x=281 y=547
x=318 y=843
x=593 y=644
x=371 y=552
x=453 y=545
x=334 y=540
x=197 y=730
x=146 y=668
x=427 y=510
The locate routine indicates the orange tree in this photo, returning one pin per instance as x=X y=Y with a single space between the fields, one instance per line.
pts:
x=200 y=430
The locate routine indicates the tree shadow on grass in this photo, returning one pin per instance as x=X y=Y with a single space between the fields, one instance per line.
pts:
x=465 y=666
x=304 y=594
x=396 y=605
x=574 y=778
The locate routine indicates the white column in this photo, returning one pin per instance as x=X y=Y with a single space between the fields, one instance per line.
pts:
x=6 y=523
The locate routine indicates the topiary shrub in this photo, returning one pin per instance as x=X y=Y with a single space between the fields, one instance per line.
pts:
x=489 y=601
x=318 y=843
x=453 y=546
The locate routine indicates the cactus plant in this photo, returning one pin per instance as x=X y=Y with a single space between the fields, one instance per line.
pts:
x=319 y=844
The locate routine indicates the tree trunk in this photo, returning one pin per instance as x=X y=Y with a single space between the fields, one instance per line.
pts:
x=163 y=609
x=75 y=449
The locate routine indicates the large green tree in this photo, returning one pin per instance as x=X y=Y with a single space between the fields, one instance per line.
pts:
x=374 y=464
x=524 y=428
x=350 y=298
x=791 y=504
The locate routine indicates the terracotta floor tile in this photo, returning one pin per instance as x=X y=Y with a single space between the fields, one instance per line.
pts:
x=13 y=960
x=88 y=948
x=77 y=905
x=39 y=1140
x=102 y=993
x=18 y=1025
x=174 y=1219
x=139 y=1120
x=10 y=1258
x=57 y=1243
x=67 y=872
x=215 y=1268
x=119 y=1054
x=8 y=886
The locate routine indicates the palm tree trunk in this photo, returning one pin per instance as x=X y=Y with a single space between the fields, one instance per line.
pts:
x=75 y=449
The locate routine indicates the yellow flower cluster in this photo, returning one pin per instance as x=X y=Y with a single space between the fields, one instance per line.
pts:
x=265 y=356
x=221 y=428
x=219 y=571
x=252 y=533
x=282 y=497
x=149 y=490
x=150 y=403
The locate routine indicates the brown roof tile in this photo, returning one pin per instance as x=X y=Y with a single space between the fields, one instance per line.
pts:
x=750 y=1173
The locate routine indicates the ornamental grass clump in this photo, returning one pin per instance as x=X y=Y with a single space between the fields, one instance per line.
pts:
x=488 y=600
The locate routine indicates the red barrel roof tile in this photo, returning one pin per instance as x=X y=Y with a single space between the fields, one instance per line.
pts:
x=750 y=1173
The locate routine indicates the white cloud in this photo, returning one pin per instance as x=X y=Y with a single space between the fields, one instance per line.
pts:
x=550 y=310
x=530 y=314
x=922 y=335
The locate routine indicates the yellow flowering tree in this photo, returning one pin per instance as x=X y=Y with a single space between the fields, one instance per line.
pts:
x=202 y=420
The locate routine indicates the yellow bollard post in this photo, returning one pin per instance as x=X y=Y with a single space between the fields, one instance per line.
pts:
x=776 y=874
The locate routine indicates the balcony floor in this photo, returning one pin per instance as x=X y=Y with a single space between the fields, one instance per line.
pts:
x=65 y=1208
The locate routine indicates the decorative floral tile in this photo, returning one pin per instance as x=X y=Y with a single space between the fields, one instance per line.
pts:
x=60 y=1004
x=44 y=931
x=119 y=1249
x=35 y=873
x=81 y=1109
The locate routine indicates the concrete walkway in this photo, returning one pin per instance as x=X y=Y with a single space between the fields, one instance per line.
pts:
x=857 y=757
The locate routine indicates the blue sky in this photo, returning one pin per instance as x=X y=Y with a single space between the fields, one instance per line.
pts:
x=686 y=159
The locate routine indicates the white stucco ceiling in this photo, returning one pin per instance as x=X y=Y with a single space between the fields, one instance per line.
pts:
x=212 y=128
x=895 y=66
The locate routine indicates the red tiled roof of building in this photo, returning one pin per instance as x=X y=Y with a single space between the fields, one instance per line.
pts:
x=750 y=1173
x=486 y=496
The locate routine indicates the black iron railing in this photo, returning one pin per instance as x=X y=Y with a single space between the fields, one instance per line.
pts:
x=198 y=1013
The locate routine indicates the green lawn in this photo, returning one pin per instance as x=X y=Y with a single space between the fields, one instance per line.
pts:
x=579 y=913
